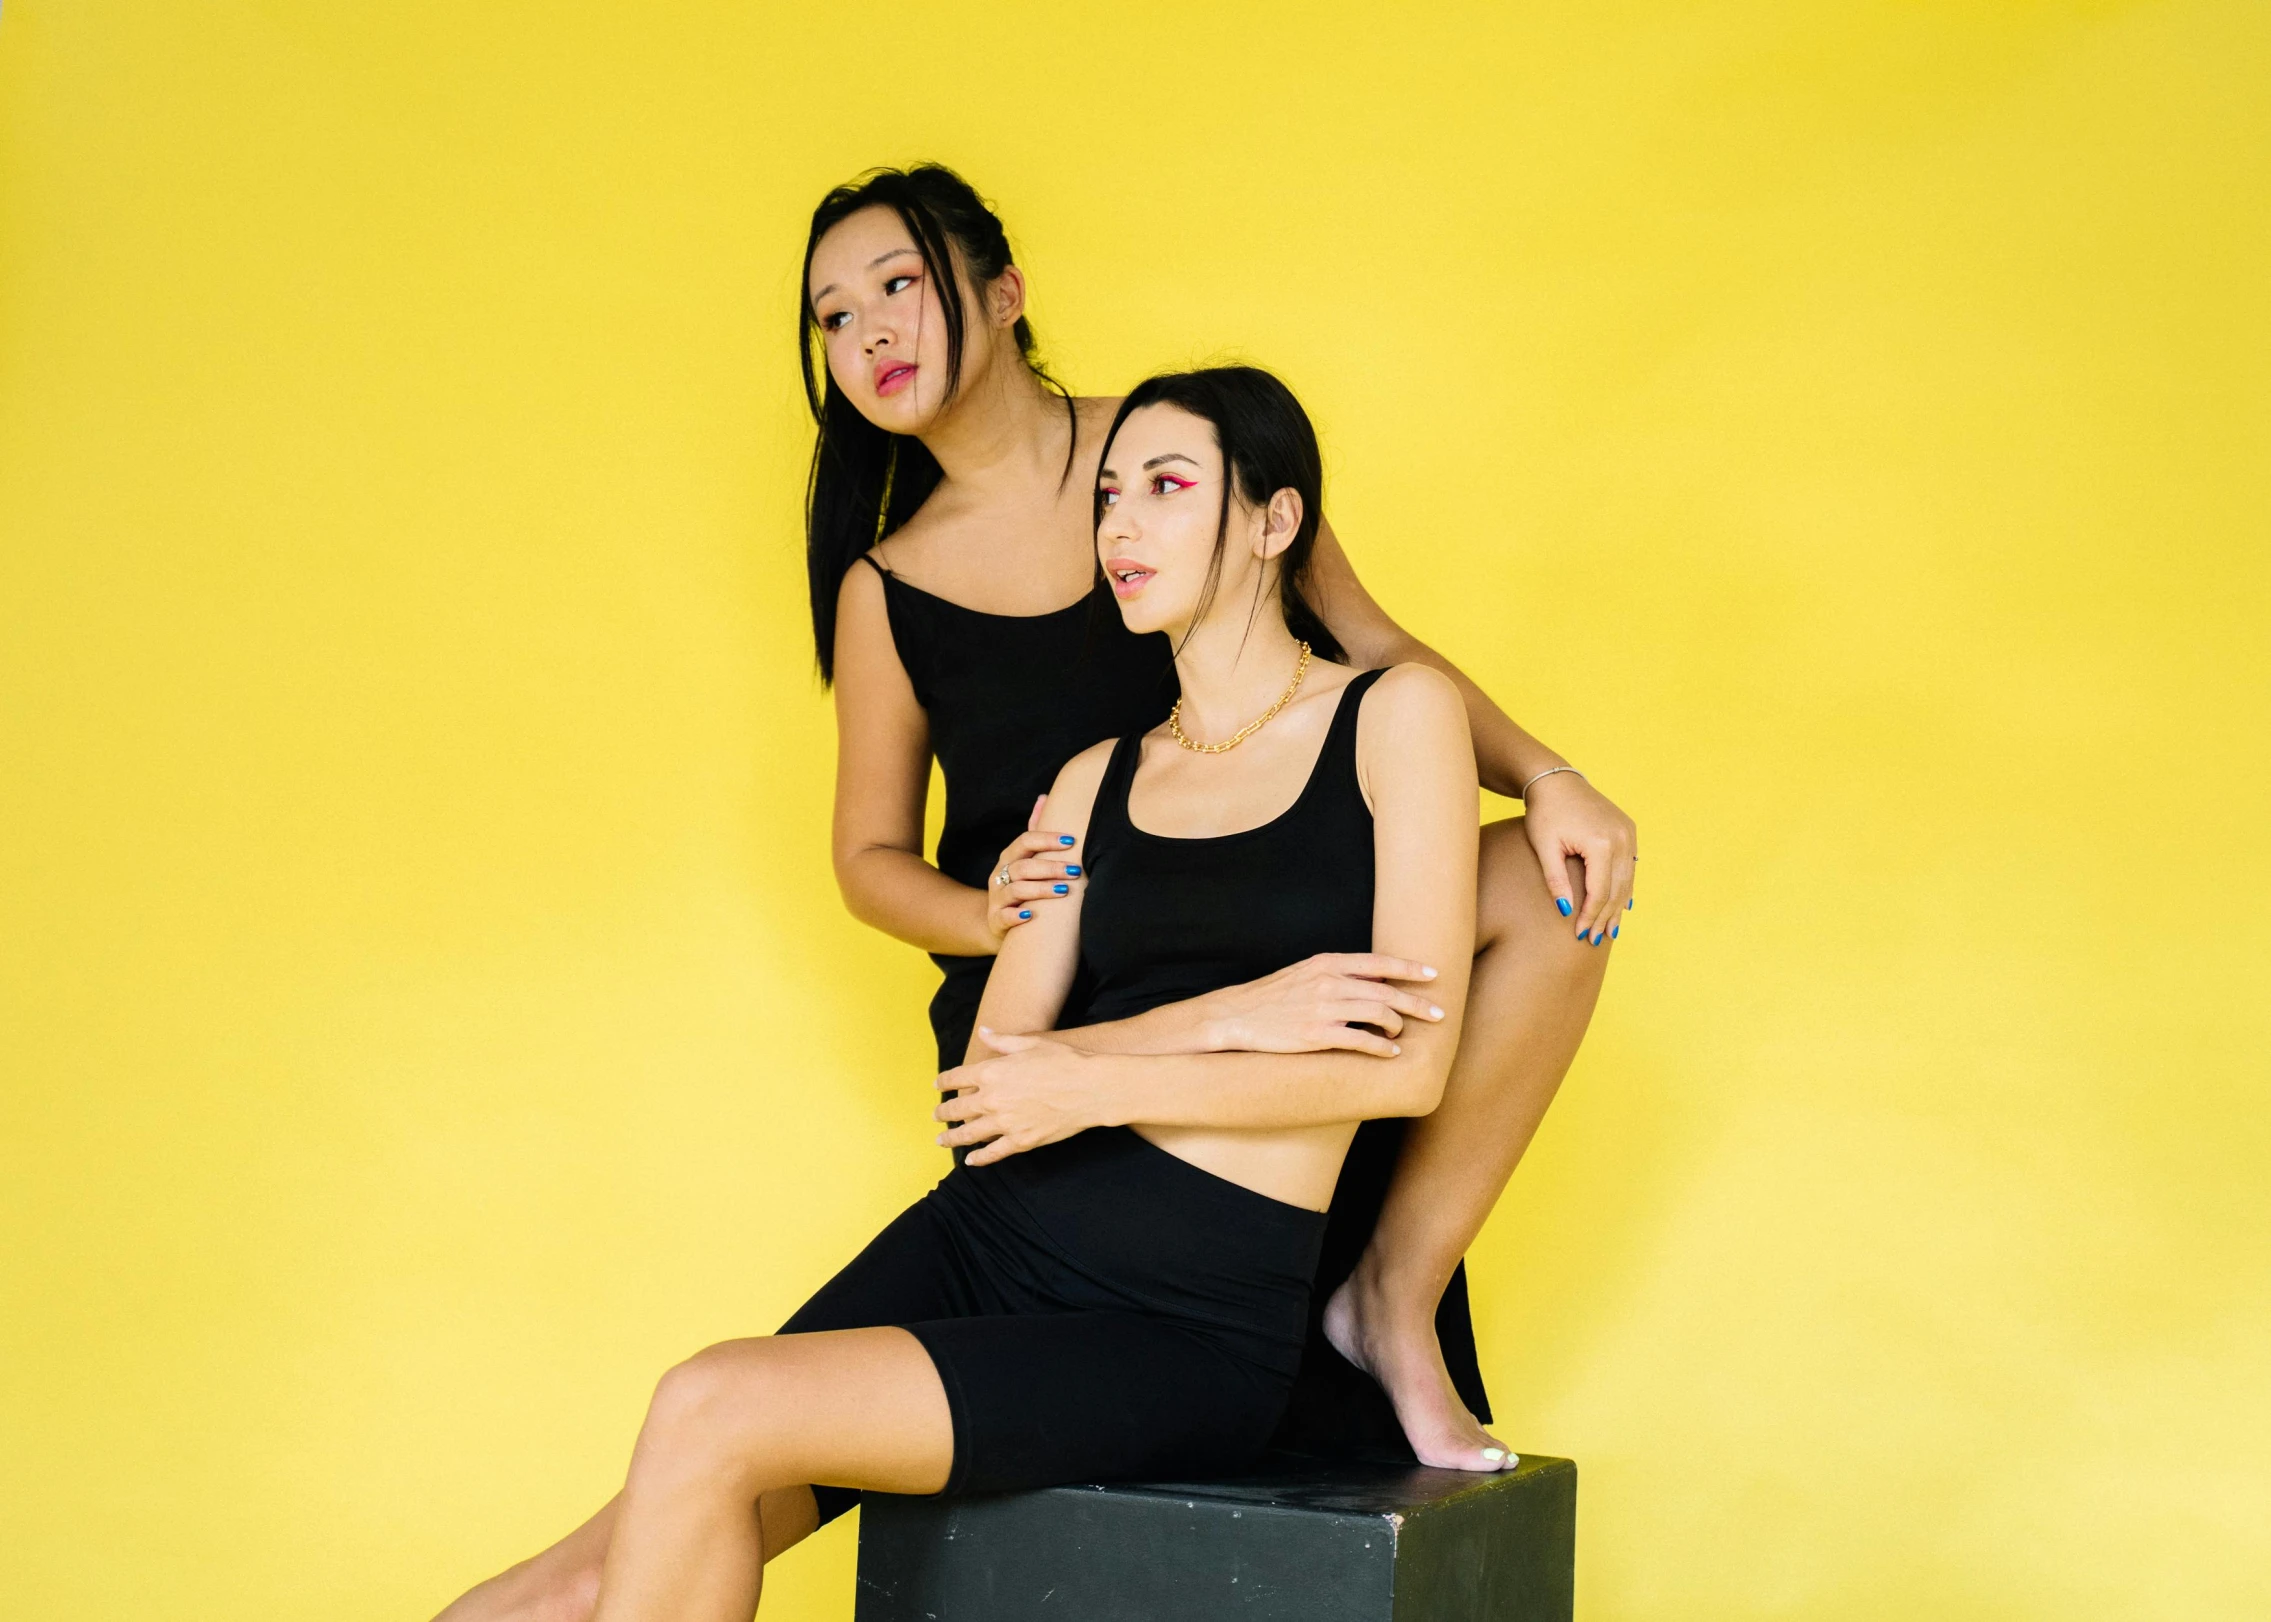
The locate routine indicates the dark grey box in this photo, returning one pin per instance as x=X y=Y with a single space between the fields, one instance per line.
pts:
x=1339 y=1543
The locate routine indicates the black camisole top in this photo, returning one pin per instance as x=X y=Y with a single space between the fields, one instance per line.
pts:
x=1011 y=698
x=1167 y=918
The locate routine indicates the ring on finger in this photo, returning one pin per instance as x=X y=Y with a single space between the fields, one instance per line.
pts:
x=1002 y=878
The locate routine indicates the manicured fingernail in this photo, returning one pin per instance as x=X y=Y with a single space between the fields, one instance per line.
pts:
x=1064 y=839
x=1494 y=1454
x=1628 y=900
x=1025 y=912
x=1614 y=933
x=1395 y=1047
x=1598 y=937
x=1563 y=905
x=1072 y=871
x=1426 y=973
x=1434 y=1012
x=1062 y=889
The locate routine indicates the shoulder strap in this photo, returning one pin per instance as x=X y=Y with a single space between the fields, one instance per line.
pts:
x=1108 y=815
x=1343 y=734
x=1337 y=761
x=910 y=636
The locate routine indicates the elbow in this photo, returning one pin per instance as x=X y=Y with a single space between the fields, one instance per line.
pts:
x=846 y=886
x=855 y=885
x=1419 y=1090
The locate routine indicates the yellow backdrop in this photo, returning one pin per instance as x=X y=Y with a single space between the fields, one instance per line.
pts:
x=427 y=1012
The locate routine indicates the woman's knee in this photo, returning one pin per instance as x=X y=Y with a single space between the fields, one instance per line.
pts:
x=706 y=1416
x=1512 y=901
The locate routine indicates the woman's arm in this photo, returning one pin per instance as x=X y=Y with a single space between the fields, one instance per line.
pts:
x=1567 y=816
x=1331 y=1000
x=1417 y=766
x=882 y=782
x=1033 y=974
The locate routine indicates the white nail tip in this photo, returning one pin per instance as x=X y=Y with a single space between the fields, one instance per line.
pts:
x=1494 y=1453
x=1395 y=1047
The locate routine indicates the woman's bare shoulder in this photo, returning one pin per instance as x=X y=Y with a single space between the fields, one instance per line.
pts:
x=1412 y=744
x=1413 y=683
x=1413 y=706
x=1085 y=771
x=909 y=547
x=1073 y=795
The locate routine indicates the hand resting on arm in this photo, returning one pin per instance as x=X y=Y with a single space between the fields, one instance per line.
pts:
x=1416 y=765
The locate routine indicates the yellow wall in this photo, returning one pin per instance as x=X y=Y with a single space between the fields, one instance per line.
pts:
x=426 y=1011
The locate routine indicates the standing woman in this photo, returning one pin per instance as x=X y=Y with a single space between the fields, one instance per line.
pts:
x=958 y=611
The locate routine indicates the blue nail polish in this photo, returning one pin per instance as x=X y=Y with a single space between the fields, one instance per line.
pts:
x=1563 y=905
x=1628 y=900
x=1614 y=933
x=1072 y=871
x=1026 y=913
x=1062 y=889
x=1598 y=937
x=1064 y=839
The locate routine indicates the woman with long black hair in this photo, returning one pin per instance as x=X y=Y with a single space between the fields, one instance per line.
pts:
x=956 y=608
x=1116 y=1281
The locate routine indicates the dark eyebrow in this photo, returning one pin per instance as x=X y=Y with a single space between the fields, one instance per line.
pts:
x=871 y=264
x=1171 y=456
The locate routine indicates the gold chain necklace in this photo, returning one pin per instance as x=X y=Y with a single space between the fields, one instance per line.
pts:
x=1175 y=715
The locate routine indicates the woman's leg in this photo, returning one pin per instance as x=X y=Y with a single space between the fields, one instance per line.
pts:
x=562 y=1583
x=1528 y=1004
x=716 y=1483
x=860 y=1407
x=906 y=1274
x=559 y=1585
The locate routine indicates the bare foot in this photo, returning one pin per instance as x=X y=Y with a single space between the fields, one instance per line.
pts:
x=1396 y=1345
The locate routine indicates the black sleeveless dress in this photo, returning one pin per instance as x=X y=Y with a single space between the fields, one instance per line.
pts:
x=1010 y=699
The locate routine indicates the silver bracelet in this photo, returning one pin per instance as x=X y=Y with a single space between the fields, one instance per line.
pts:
x=1523 y=792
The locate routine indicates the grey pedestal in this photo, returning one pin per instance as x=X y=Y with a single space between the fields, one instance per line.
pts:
x=1368 y=1543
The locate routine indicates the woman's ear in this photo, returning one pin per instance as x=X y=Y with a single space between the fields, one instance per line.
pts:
x=1005 y=299
x=1281 y=521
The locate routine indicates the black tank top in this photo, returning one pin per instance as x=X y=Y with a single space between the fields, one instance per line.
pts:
x=1170 y=918
x=1011 y=698
x=1166 y=919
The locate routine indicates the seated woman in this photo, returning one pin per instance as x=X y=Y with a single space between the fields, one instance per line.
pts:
x=1114 y=1282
